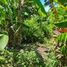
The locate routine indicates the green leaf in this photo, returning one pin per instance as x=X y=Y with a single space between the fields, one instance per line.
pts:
x=62 y=37
x=63 y=50
x=39 y=4
x=63 y=2
x=3 y=41
x=62 y=24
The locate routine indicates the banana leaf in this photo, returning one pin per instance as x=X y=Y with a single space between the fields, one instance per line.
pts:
x=62 y=24
x=39 y=4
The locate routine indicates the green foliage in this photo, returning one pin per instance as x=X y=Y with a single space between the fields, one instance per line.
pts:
x=5 y=2
x=26 y=59
x=21 y=59
x=36 y=30
x=3 y=41
x=6 y=58
x=40 y=6
x=2 y=59
x=32 y=30
x=63 y=2
x=62 y=40
x=62 y=24
x=29 y=59
x=62 y=37
x=64 y=50
x=22 y=24
x=51 y=60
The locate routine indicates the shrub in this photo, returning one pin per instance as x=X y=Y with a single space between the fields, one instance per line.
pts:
x=6 y=58
x=51 y=61
x=35 y=30
x=28 y=59
x=20 y=59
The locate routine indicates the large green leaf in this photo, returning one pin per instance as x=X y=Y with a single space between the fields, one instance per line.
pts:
x=39 y=4
x=63 y=2
x=62 y=24
x=3 y=41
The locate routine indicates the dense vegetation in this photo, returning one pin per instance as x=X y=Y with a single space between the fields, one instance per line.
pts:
x=32 y=37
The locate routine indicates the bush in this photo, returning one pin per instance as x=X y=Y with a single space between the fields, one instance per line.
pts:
x=35 y=30
x=29 y=59
x=26 y=59
x=51 y=61
x=20 y=59
x=6 y=58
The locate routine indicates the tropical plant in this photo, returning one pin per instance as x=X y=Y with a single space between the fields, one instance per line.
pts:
x=3 y=40
x=34 y=29
x=29 y=59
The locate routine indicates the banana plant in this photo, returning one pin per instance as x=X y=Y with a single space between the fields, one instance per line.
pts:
x=40 y=6
x=62 y=24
